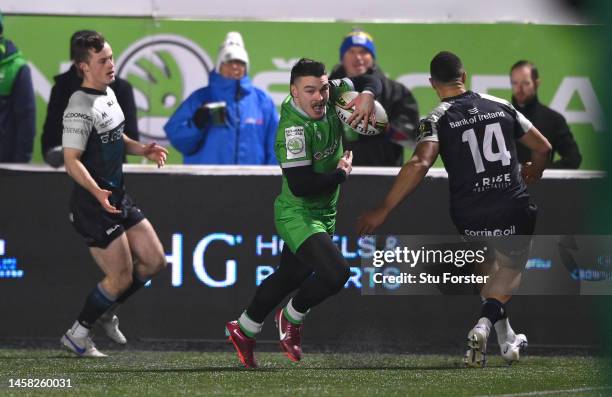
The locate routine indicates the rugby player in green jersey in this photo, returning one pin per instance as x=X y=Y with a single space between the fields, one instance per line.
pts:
x=309 y=151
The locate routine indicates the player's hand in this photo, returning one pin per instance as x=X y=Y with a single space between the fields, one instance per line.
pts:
x=346 y=162
x=531 y=173
x=156 y=153
x=364 y=110
x=369 y=221
x=102 y=196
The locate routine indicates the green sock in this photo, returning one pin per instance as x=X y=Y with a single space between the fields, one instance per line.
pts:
x=248 y=326
x=293 y=315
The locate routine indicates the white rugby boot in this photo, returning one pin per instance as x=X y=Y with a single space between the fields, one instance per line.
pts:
x=510 y=344
x=511 y=351
x=476 y=355
x=110 y=324
x=81 y=346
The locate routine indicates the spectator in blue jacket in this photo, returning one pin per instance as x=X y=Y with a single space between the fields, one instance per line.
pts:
x=17 y=104
x=229 y=121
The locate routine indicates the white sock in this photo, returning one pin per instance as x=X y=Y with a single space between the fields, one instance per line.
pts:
x=504 y=331
x=486 y=323
x=248 y=326
x=78 y=331
x=294 y=314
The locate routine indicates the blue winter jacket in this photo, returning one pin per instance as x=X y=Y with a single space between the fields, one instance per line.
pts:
x=250 y=141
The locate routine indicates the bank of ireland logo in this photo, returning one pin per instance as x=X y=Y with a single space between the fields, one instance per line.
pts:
x=164 y=70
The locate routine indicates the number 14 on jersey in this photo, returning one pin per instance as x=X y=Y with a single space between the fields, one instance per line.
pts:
x=491 y=131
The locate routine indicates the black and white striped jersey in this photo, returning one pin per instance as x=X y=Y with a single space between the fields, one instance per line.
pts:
x=477 y=134
x=93 y=122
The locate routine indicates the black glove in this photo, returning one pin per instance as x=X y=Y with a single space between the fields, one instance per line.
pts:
x=201 y=117
x=55 y=157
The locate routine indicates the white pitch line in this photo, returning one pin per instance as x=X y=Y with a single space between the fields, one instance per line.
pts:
x=547 y=392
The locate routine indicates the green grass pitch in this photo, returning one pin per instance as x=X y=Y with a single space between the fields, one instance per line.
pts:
x=171 y=373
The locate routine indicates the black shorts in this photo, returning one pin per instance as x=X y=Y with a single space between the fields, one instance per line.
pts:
x=509 y=231
x=98 y=227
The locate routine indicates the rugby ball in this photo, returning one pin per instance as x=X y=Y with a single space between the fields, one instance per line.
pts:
x=344 y=114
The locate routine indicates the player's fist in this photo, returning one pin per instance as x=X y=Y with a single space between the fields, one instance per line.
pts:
x=346 y=162
x=531 y=173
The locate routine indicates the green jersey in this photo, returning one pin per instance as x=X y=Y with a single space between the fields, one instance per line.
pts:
x=302 y=141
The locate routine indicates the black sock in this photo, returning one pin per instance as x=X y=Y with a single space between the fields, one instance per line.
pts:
x=135 y=286
x=97 y=303
x=289 y=275
x=330 y=272
x=493 y=309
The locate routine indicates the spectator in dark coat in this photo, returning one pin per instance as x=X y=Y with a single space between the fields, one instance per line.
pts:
x=65 y=85
x=357 y=57
x=525 y=82
x=17 y=104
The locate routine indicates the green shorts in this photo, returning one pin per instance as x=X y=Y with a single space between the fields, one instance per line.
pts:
x=294 y=226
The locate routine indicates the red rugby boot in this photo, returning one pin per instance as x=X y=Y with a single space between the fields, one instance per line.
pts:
x=243 y=344
x=290 y=336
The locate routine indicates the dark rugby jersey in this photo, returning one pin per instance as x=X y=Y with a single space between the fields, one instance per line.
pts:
x=477 y=134
x=93 y=122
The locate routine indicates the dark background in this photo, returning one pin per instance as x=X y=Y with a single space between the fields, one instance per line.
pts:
x=59 y=271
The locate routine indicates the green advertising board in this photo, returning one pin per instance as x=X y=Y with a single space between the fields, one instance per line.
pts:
x=165 y=60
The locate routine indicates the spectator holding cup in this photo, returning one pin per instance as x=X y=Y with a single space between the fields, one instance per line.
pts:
x=229 y=121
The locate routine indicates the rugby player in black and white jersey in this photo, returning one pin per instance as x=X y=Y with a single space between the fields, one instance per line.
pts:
x=476 y=136
x=121 y=240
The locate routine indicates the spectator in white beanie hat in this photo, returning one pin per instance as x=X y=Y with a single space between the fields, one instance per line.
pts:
x=232 y=49
x=229 y=121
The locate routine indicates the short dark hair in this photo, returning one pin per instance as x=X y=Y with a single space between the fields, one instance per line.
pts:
x=446 y=67
x=75 y=36
x=90 y=40
x=307 y=67
x=534 y=70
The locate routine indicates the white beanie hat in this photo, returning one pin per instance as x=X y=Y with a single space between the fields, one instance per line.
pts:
x=232 y=49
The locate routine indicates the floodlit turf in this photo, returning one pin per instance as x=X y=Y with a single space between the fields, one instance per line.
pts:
x=171 y=373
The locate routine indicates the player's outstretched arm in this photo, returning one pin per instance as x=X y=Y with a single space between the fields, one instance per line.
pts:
x=78 y=172
x=409 y=177
x=151 y=151
x=540 y=150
